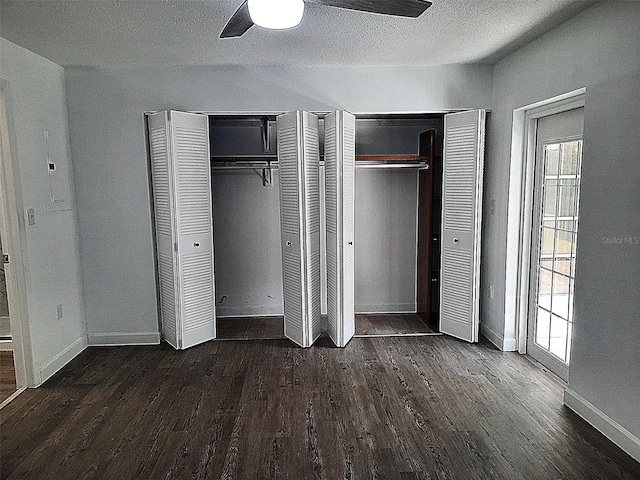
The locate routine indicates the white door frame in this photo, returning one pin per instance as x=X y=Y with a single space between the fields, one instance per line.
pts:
x=520 y=213
x=13 y=231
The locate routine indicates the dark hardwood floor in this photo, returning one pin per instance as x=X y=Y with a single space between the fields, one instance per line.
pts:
x=236 y=328
x=391 y=324
x=388 y=408
x=7 y=375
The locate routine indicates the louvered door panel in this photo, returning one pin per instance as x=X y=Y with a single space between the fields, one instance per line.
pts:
x=298 y=161
x=190 y=141
x=348 y=226
x=164 y=208
x=339 y=203
x=290 y=221
x=311 y=165
x=182 y=199
x=331 y=180
x=461 y=220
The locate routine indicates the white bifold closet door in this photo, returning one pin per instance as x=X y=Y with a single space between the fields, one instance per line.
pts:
x=298 y=163
x=339 y=168
x=181 y=180
x=463 y=160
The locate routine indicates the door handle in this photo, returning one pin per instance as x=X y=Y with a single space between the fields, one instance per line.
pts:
x=456 y=240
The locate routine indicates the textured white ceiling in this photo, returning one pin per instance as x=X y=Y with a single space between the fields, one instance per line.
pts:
x=185 y=32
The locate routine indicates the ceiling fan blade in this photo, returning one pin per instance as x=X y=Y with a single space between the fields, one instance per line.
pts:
x=239 y=23
x=400 y=8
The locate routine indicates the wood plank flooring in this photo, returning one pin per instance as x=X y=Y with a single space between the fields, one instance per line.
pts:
x=426 y=407
x=391 y=324
x=235 y=328
x=7 y=375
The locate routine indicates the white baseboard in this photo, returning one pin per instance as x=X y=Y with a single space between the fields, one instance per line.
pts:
x=6 y=345
x=255 y=311
x=491 y=335
x=122 y=339
x=60 y=360
x=509 y=344
x=391 y=308
x=504 y=344
x=11 y=397
x=603 y=423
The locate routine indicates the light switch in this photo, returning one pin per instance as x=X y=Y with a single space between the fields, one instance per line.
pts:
x=31 y=216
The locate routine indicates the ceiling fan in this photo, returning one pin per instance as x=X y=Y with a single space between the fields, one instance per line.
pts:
x=279 y=14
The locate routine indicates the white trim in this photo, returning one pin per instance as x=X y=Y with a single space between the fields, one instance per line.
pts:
x=11 y=397
x=611 y=429
x=494 y=337
x=14 y=233
x=121 y=339
x=250 y=311
x=6 y=345
x=519 y=212
x=320 y=113
x=390 y=308
x=497 y=339
x=61 y=359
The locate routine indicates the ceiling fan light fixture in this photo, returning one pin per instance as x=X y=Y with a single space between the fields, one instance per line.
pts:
x=276 y=14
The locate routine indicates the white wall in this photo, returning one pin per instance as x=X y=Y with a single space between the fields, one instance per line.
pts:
x=37 y=96
x=248 y=257
x=108 y=143
x=600 y=50
x=386 y=240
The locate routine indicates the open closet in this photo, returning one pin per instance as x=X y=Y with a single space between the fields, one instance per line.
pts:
x=396 y=220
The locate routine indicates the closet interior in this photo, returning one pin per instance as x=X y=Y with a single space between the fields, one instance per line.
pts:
x=398 y=178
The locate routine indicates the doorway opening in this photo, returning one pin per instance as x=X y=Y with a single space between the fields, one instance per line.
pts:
x=390 y=159
x=15 y=360
x=558 y=159
x=542 y=228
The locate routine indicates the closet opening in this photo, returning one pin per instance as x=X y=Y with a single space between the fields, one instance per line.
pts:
x=397 y=224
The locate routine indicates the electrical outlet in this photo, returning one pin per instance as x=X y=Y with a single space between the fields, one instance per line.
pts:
x=491 y=292
x=59 y=310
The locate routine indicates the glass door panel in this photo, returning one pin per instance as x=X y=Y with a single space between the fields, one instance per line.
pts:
x=554 y=251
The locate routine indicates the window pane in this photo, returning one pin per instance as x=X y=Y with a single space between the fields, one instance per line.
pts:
x=569 y=225
x=547 y=263
x=560 y=295
x=563 y=243
x=544 y=289
x=549 y=200
x=551 y=159
x=569 y=158
x=563 y=265
x=558 y=338
x=567 y=201
x=571 y=297
x=542 y=328
x=546 y=245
